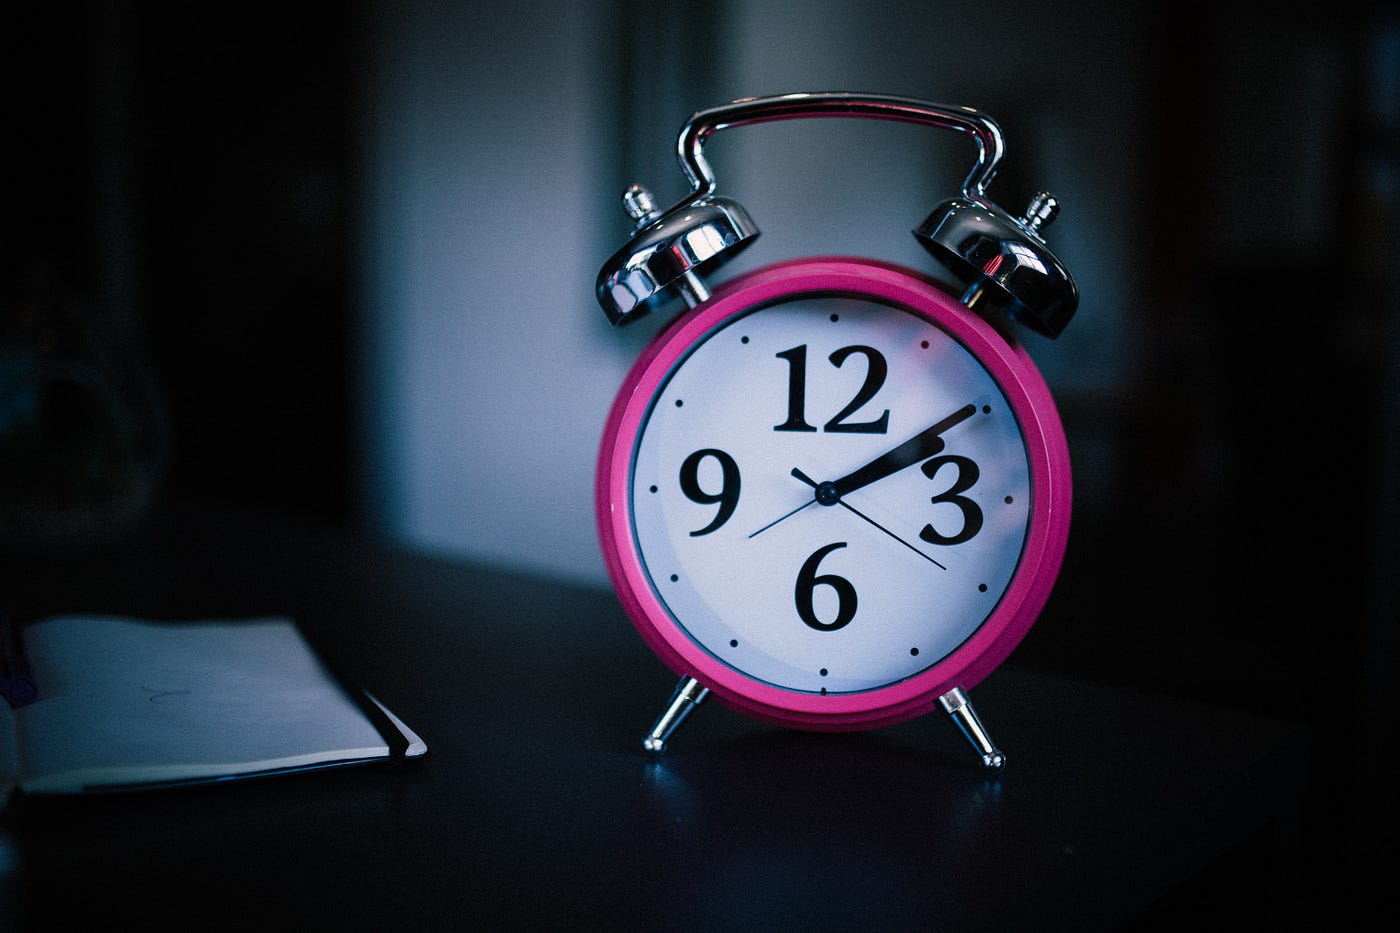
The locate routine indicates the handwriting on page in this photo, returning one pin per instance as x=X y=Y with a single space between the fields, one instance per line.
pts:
x=159 y=696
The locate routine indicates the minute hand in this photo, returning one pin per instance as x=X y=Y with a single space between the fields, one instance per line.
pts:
x=919 y=447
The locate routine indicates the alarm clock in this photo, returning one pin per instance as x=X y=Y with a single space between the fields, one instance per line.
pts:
x=834 y=493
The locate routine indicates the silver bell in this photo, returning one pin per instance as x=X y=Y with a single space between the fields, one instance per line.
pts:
x=982 y=246
x=668 y=249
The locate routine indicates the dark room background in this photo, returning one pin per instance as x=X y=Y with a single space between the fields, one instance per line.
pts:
x=224 y=224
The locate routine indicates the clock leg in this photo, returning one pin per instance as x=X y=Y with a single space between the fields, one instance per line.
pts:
x=957 y=705
x=689 y=694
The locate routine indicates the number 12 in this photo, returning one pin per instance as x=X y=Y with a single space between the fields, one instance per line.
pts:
x=875 y=372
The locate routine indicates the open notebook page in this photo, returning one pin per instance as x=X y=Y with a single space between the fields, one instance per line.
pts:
x=125 y=701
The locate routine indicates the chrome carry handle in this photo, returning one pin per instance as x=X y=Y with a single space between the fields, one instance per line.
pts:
x=978 y=242
x=704 y=124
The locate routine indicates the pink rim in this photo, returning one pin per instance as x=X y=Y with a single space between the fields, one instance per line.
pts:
x=1046 y=540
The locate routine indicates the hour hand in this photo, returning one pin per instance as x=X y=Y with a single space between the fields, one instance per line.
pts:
x=921 y=446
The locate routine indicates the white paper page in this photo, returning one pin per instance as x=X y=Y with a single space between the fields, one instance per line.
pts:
x=127 y=701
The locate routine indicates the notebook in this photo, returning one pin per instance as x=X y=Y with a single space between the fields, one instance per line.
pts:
x=112 y=703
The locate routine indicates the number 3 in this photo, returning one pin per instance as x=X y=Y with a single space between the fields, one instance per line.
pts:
x=971 y=514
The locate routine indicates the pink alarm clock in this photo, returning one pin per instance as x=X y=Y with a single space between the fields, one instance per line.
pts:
x=834 y=493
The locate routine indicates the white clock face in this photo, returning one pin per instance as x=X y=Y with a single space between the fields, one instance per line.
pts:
x=830 y=494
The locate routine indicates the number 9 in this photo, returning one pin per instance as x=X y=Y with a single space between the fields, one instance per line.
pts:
x=728 y=495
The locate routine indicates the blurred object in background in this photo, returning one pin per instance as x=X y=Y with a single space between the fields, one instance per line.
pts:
x=85 y=436
x=174 y=321
x=83 y=427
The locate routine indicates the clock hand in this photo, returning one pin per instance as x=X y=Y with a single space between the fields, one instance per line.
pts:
x=782 y=518
x=921 y=446
x=859 y=514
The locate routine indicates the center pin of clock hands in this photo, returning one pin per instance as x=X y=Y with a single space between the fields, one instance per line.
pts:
x=927 y=443
x=825 y=496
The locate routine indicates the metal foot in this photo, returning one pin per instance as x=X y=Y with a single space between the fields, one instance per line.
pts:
x=689 y=694
x=956 y=704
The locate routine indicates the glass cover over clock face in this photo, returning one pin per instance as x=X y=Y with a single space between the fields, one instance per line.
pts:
x=830 y=494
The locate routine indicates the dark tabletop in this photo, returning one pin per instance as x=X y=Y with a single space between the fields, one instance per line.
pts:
x=537 y=809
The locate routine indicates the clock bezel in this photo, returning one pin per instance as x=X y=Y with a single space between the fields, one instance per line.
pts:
x=1049 y=514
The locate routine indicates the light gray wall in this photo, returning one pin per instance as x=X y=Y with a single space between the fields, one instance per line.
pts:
x=492 y=144
x=486 y=369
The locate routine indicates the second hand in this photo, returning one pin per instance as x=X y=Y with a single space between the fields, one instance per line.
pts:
x=782 y=518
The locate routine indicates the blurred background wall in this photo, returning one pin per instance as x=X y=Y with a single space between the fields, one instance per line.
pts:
x=336 y=262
